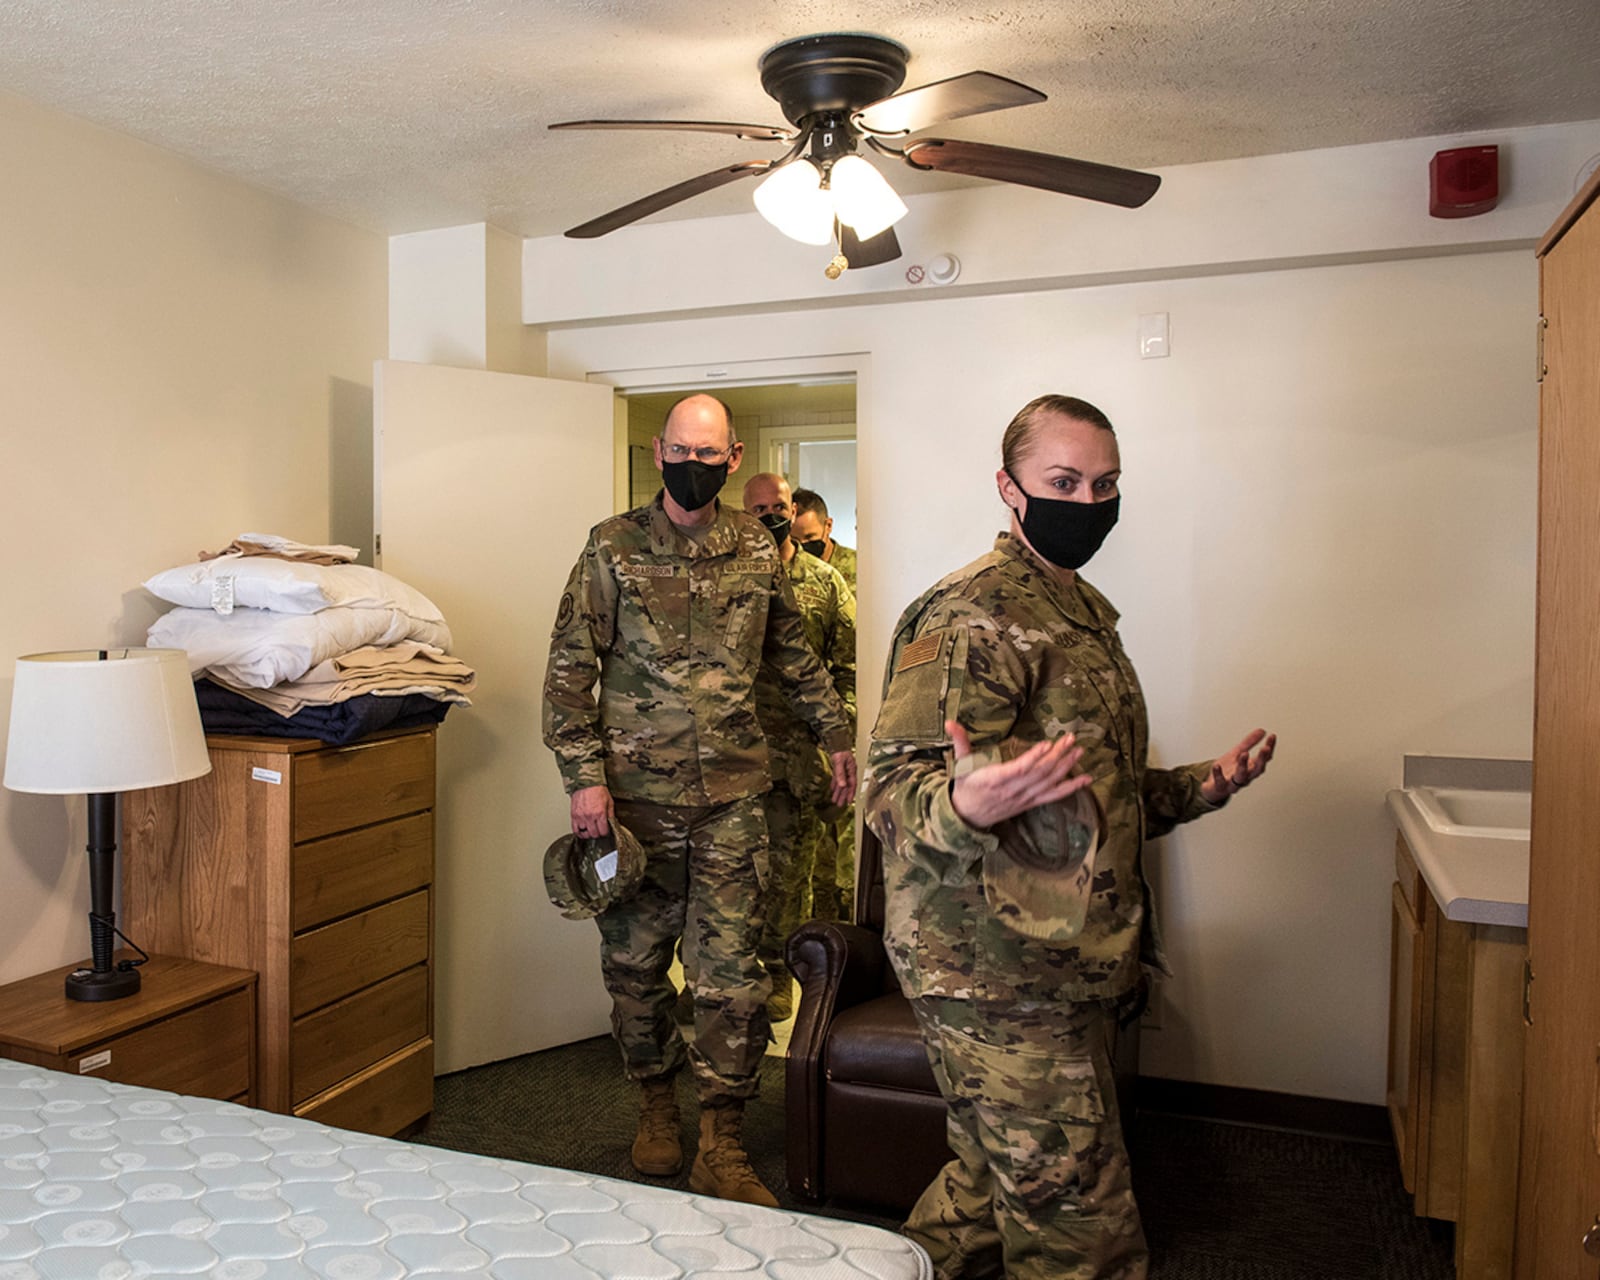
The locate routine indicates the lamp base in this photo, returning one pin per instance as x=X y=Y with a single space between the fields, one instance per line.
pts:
x=111 y=984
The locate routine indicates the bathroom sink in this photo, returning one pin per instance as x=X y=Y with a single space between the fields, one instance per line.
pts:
x=1458 y=811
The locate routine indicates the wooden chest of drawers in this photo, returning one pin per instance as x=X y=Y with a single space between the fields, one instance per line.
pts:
x=312 y=865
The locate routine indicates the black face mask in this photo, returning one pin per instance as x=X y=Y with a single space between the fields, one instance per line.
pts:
x=693 y=484
x=1067 y=533
x=816 y=546
x=777 y=526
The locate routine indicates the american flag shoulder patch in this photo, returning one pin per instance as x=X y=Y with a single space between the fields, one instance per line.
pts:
x=916 y=653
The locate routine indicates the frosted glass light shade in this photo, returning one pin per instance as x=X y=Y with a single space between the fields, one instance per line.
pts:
x=84 y=725
x=862 y=198
x=792 y=199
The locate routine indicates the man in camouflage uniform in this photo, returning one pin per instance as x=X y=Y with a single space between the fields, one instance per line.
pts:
x=800 y=782
x=813 y=530
x=670 y=611
x=1008 y=696
x=834 y=871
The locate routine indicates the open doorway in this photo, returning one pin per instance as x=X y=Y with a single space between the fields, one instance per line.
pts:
x=803 y=431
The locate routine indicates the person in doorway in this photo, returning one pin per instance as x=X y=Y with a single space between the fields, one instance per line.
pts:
x=649 y=706
x=800 y=780
x=813 y=530
x=1008 y=780
x=833 y=880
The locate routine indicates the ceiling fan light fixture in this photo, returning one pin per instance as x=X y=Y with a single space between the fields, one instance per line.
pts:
x=791 y=198
x=862 y=198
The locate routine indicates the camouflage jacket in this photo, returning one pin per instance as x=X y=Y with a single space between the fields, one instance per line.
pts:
x=829 y=611
x=1003 y=648
x=672 y=630
x=844 y=560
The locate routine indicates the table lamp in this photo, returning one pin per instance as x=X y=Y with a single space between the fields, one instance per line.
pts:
x=97 y=723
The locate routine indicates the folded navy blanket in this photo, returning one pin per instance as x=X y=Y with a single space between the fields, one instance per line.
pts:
x=337 y=724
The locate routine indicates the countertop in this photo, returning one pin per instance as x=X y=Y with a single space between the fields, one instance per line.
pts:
x=1481 y=879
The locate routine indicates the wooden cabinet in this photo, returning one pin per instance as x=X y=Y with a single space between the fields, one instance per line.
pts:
x=1410 y=1009
x=312 y=865
x=189 y=1028
x=1455 y=1068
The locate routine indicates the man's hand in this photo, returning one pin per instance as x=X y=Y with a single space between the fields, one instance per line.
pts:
x=1231 y=772
x=591 y=811
x=844 y=777
x=1043 y=774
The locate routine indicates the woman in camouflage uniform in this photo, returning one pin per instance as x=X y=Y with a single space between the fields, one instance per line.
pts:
x=1009 y=784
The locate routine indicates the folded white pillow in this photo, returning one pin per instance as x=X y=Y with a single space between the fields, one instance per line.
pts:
x=257 y=649
x=287 y=586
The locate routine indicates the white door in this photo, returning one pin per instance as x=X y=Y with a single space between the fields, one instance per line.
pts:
x=487 y=485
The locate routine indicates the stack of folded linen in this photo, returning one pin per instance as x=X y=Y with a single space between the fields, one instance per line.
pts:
x=293 y=640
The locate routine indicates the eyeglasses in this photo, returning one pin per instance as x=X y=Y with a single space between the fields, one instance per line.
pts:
x=706 y=454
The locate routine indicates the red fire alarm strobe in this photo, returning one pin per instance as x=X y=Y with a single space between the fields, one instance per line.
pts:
x=1463 y=182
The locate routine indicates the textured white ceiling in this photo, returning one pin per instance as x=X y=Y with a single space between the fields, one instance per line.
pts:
x=401 y=115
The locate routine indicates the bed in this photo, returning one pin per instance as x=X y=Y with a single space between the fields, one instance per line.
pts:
x=102 y=1181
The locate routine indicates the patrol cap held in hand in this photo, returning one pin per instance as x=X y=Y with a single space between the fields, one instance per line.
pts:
x=584 y=875
x=1039 y=876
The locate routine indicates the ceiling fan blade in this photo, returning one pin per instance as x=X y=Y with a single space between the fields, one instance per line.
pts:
x=657 y=201
x=1126 y=187
x=758 y=132
x=883 y=247
x=968 y=95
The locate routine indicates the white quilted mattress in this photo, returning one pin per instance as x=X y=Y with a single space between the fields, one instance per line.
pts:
x=102 y=1181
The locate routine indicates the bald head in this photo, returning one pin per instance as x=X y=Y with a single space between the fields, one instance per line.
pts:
x=767 y=491
x=698 y=415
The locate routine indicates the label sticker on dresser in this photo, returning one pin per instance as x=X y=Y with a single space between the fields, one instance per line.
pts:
x=94 y=1061
x=267 y=775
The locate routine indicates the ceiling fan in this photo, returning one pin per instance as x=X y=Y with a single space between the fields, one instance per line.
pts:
x=838 y=90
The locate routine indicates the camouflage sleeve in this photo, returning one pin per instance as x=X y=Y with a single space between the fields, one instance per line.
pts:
x=969 y=674
x=801 y=672
x=1172 y=796
x=840 y=656
x=585 y=626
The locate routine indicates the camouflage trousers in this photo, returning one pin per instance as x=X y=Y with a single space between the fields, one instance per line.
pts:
x=704 y=874
x=793 y=832
x=1040 y=1184
x=833 y=880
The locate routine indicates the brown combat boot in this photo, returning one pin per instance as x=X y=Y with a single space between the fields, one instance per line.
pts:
x=780 y=1004
x=721 y=1167
x=657 y=1148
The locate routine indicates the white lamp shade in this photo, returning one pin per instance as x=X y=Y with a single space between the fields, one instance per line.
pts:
x=862 y=198
x=83 y=724
x=792 y=199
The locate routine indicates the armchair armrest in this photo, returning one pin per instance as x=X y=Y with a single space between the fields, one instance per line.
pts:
x=838 y=965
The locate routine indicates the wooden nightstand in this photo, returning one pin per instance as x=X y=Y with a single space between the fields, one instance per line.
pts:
x=190 y=1028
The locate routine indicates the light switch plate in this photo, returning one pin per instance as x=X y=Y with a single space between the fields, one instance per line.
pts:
x=1153 y=336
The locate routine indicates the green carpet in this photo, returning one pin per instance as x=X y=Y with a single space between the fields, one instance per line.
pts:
x=1219 y=1201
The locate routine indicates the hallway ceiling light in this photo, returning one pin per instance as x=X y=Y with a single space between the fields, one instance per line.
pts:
x=839 y=90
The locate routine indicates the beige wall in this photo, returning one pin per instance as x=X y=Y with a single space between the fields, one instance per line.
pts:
x=185 y=358
x=1328 y=529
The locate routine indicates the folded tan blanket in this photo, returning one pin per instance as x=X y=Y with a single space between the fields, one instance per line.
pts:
x=271 y=544
x=389 y=671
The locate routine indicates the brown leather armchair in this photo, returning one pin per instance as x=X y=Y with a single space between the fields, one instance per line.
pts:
x=866 y=1123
